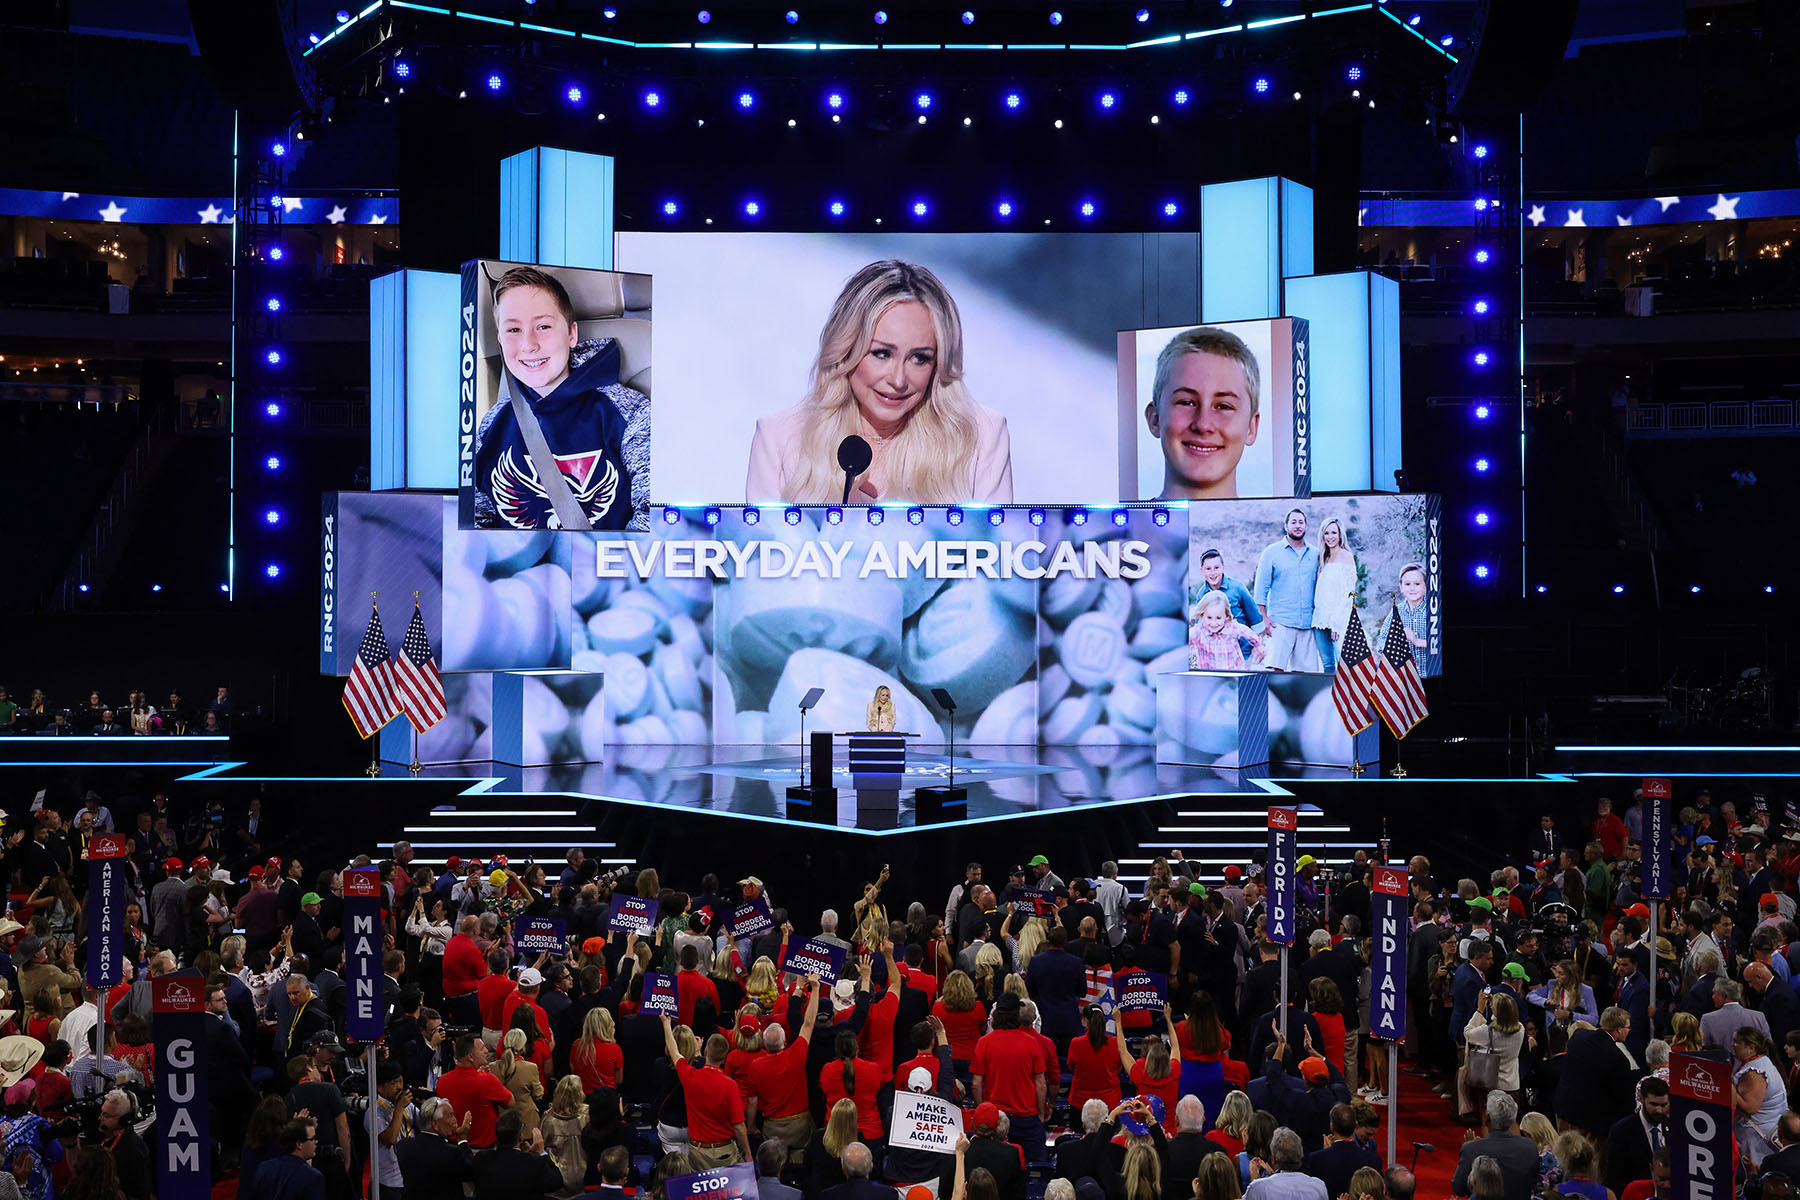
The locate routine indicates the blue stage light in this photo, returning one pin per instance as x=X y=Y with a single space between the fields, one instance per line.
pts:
x=792 y=17
x=1482 y=518
x=275 y=254
x=1481 y=308
x=1160 y=517
x=609 y=12
x=834 y=515
x=671 y=516
x=835 y=208
x=752 y=208
x=273 y=304
x=753 y=516
x=791 y=516
x=573 y=93
x=1077 y=516
x=279 y=150
x=704 y=17
x=1413 y=19
x=876 y=516
x=495 y=82
x=1447 y=41
x=225 y=587
x=968 y=18
x=921 y=209
x=1171 y=209
x=746 y=100
x=1353 y=74
x=1481 y=150
x=1087 y=208
x=1003 y=209
x=1482 y=465
x=1035 y=516
x=1768 y=589
x=1694 y=589
x=881 y=16
x=834 y=101
x=1618 y=589
x=653 y=99
x=953 y=515
x=81 y=587
x=1481 y=358
x=1261 y=85
x=273 y=357
x=1121 y=517
x=1482 y=412
x=1107 y=100
x=1482 y=571
x=343 y=15
x=1055 y=17
x=670 y=208
x=272 y=516
x=1482 y=257
x=915 y=516
x=1013 y=100
x=272 y=408
x=1541 y=589
x=1481 y=204
x=1143 y=14
x=996 y=516
x=273 y=570
x=402 y=69
x=272 y=463
x=1181 y=97
x=313 y=38
x=922 y=101
x=711 y=516
x=156 y=587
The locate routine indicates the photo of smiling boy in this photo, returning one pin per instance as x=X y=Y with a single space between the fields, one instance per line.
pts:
x=1205 y=411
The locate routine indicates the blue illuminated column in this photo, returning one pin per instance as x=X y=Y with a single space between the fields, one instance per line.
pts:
x=412 y=380
x=556 y=208
x=1254 y=233
x=1354 y=320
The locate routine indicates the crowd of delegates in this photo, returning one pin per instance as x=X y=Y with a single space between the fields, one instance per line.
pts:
x=36 y=714
x=509 y=1074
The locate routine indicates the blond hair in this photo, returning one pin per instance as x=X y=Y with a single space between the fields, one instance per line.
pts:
x=568 y=1100
x=958 y=993
x=840 y=1127
x=1206 y=340
x=929 y=459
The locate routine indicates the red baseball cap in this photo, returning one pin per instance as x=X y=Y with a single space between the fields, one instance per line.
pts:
x=1770 y=900
x=172 y=865
x=453 y=862
x=274 y=862
x=257 y=871
x=1638 y=910
x=986 y=1116
x=1314 y=1070
x=500 y=860
x=594 y=945
x=1234 y=871
x=748 y=1020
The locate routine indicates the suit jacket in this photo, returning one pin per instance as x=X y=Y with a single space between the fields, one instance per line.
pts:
x=1699 y=998
x=1545 y=845
x=514 y=1174
x=227 y=1066
x=1335 y=1164
x=1719 y=1026
x=285 y=1177
x=770 y=1188
x=1465 y=988
x=1084 y=1157
x=435 y=1166
x=1595 y=1084
x=1627 y=1153
x=1516 y=1154
x=856 y=1189
x=1780 y=1007
x=1634 y=998
x=1185 y=1152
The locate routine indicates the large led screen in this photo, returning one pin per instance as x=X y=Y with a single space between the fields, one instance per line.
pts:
x=554 y=398
x=1272 y=583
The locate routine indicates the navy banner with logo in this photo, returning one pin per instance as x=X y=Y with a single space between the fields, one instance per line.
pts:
x=748 y=920
x=1659 y=799
x=1138 y=990
x=1388 y=893
x=631 y=914
x=541 y=935
x=1700 y=1110
x=736 y=1182
x=808 y=957
x=1284 y=840
x=106 y=909
x=365 y=1009
x=1038 y=902
x=184 y=1136
x=659 y=995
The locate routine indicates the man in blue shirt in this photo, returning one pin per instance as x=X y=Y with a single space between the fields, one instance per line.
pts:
x=1243 y=605
x=1287 y=575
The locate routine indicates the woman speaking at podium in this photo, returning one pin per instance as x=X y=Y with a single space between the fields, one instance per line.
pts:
x=881 y=712
x=889 y=371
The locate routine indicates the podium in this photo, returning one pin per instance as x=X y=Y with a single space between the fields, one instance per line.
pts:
x=877 y=765
x=815 y=800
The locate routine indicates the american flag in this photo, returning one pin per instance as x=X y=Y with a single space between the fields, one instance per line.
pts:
x=369 y=692
x=1355 y=677
x=417 y=684
x=1397 y=690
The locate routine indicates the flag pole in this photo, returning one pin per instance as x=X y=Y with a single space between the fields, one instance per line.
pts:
x=374 y=771
x=414 y=768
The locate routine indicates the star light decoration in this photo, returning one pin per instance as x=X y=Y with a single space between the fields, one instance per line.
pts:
x=336 y=215
x=1536 y=215
x=290 y=203
x=113 y=213
x=210 y=214
x=1575 y=220
x=1623 y=220
x=1668 y=202
x=1723 y=209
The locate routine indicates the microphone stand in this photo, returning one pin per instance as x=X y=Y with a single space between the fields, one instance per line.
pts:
x=849 y=478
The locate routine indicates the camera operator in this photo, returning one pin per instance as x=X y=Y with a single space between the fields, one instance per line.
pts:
x=418 y=1041
x=396 y=1117
x=131 y=1157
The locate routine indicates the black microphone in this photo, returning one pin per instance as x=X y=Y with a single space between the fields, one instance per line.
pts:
x=854 y=455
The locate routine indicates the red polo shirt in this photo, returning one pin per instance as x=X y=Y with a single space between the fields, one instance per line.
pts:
x=928 y=1060
x=961 y=1028
x=464 y=967
x=689 y=987
x=868 y=1083
x=490 y=998
x=876 y=1041
x=714 y=1104
x=512 y=1003
x=780 y=1081
x=1006 y=1060
x=471 y=1091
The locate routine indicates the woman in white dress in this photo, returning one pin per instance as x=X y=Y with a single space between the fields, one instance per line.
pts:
x=1335 y=593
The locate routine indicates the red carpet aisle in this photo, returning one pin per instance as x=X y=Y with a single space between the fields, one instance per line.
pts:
x=1425 y=1117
